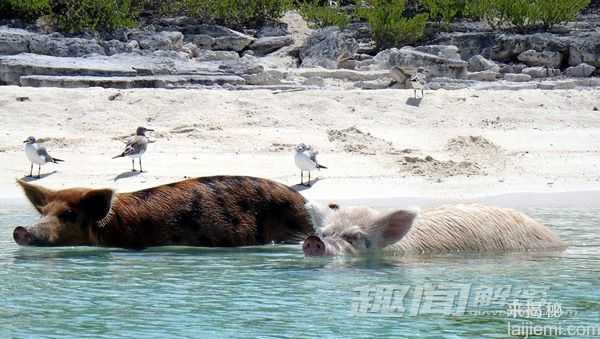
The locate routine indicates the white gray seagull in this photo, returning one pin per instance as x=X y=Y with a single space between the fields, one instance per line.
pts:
x=306 y=160
x=37 y=155
x=419 y=80
x=136 y=147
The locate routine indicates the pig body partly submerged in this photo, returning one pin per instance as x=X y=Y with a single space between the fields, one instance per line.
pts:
x=458 y=228
x=220 y=211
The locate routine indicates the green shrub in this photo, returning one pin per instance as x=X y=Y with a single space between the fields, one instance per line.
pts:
x=319 y=15
x=521 y=14
x=26 y=9
x=390 y=28
x=93 y=15
x=231 y=13
x=444 y=10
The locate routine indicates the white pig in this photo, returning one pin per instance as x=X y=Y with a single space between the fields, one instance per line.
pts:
x=457 y=228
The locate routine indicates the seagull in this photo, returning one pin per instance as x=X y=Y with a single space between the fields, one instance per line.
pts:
x=306 y=160
x=418 y=81
x=136 y=147
x=37 y=155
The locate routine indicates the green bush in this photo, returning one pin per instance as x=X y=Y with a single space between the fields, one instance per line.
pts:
x=444 y=10
x=319 y=15
x=521 y=14
x=93 y=15
x=390 y=28
x=231 y=13
x=26 y=9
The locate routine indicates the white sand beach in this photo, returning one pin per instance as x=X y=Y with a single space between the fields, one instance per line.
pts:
x=378 y=145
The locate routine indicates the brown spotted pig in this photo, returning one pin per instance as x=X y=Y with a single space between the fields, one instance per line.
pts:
x=222 y=211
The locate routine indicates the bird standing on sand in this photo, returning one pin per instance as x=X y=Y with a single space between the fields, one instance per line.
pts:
x=306 y=160
x=136 y=147
x=37 y=155
x=418 y=81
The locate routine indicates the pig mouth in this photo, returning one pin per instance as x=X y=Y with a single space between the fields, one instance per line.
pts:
x=313 y=246
x=24 y=237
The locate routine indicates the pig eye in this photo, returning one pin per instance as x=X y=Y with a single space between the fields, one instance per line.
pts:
x=68 y=215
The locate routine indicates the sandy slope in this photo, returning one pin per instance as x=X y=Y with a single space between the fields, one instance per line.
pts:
x=377 y=144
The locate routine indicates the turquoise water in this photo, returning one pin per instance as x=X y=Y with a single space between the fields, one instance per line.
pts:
x=273 y=291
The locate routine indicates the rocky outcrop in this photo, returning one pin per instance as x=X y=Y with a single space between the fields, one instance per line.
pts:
x=269 y=44
x=217 y=37
x=541 y=72
x=544 y=58
x=326 y=47
x=517 y=77
x=580 y=71
x=410 y=58
x=483 y=76
x=585 y=48
x=478 y=63
x=509 y=46
x=166 y=40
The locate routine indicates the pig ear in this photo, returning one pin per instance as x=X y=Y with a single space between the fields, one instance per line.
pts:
x=97 y=203
x=392 y=227
x=37 y=195
x=319 y=212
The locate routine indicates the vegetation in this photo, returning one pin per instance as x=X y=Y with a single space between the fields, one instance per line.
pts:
x=393 y=22
x=320 y=15
x=521 y=14
x=231 y=13
x=388 y=24
x=445 y=10
x=93 y=15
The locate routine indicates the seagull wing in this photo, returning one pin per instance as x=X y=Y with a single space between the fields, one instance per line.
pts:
x=136 y=145
x=42 y=153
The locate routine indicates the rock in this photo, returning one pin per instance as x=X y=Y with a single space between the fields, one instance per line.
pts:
x=157 y=40
x=483 y=76
x=509 y=46
x=340 y=74
x=157 y=81
x=546 y=58
x=513 y=68
x=410 y=59
x=210 y=55
x=469 y=44
x=22 y=99
x=326 y=46
x=517 y=77
x=541 y=72
x=273 y=29
x=584 y=49
x=449 y=84
x=478 y=63
x=266 y=45
x=14 y=41
x=268 y=77
x=112 y=47
x=580 y=71
x=348 y=64
x=551 y=85
x=55 y=45
x=217 y=38
x=242 y=66
x=444 y=51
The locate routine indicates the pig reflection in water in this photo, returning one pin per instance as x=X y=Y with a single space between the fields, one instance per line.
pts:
x=458 y=228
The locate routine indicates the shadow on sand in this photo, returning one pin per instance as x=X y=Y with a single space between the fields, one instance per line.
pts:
x=127 y=174
x=300 y=187
x=416 y=102
x=35 y=178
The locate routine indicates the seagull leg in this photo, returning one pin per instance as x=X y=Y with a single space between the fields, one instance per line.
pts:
x=31 y=171
x=39 y=170
x=301 y=177
x=308 y=183
x=422 y=93
x=141 y=170
x=133 y=164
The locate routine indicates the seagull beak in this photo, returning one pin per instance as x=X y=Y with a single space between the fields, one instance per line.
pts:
x=149 y=130
x=24 y=141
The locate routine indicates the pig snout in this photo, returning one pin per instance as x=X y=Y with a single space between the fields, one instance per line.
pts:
x=313 y=246
x=22 y=236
